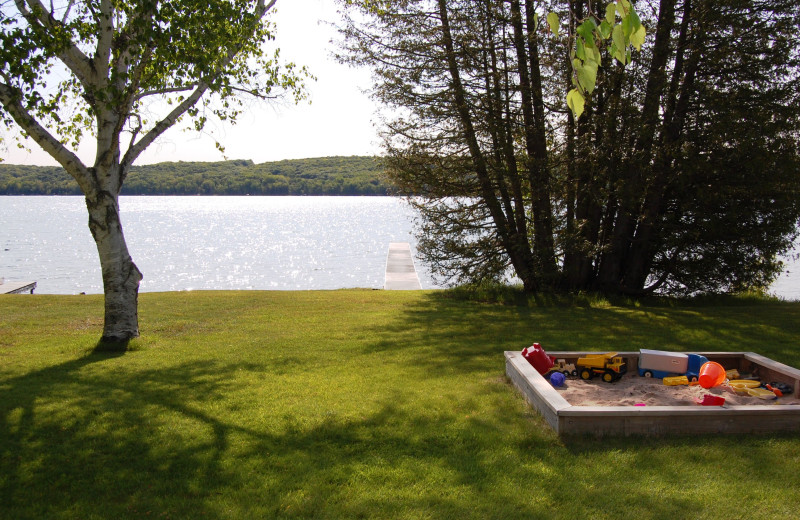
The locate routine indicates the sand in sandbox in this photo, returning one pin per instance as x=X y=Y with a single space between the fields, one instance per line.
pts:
x=632 y=390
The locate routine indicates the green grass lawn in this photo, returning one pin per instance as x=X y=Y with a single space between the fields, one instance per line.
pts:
x=359 y=404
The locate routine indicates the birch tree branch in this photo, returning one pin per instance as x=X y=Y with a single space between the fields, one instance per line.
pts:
x=162 y=126
x=36 y=14
x=71 y=163
x=202 y=87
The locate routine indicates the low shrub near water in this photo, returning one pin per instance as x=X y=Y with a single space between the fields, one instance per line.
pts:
x=509 y=294
x=357 y=404
x=515 y=295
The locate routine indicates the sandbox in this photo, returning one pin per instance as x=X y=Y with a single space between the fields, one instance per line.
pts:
x=635 y=415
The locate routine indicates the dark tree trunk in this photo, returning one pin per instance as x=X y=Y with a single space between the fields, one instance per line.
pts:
x=515 y=243
x=535 y=145
x=617 y=261
x=645 y=241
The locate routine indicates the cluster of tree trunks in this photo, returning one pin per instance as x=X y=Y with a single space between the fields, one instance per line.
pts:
x=682 y=175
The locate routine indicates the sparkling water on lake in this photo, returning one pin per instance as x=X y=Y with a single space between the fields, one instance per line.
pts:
x=194 y=243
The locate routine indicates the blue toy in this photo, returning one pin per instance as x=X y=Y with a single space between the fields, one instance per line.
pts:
x=557 y=379
x=660 y=364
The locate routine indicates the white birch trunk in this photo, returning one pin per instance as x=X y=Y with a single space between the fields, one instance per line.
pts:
x=121 y=277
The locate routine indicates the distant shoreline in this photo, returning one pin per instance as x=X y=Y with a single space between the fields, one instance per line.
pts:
x=123 y=194
x=323 y=176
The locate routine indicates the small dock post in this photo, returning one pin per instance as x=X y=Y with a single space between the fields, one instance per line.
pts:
x=401 y=275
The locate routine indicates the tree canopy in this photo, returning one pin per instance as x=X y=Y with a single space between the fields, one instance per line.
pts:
x=681 y=174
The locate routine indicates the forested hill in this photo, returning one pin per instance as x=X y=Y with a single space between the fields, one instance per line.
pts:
x=320 y=176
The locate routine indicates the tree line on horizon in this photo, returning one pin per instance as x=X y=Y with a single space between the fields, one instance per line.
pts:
x=354 y=175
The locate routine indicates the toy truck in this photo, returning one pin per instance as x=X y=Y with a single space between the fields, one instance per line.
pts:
x=695 y=362
x=661 y=364
x=561 y=365
x=609 y=367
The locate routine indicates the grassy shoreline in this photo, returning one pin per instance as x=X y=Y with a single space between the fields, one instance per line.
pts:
x=358 y=404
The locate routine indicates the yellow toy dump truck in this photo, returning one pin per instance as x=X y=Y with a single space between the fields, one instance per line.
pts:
x=609 y=367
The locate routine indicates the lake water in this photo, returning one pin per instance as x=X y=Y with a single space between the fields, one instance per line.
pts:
x=195 y=243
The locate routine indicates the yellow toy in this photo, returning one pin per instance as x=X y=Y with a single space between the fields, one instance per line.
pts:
x=609 y=366
x=742 y=386
x=744 y=383
x=762 y=393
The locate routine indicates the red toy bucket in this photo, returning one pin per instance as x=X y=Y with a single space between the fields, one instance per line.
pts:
x=536 y=356
x=711 y=374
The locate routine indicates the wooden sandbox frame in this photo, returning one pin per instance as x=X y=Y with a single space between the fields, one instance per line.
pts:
x=567 y=419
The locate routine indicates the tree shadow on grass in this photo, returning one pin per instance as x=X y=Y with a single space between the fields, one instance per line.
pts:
x=103 y=436
x=150 y=444
x=73 y=438
x=124 y=443
x=116 y=347
x=89 y=438
x=456 y=335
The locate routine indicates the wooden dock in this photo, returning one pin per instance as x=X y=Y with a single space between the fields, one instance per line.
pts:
x=16 y=287
x=401 y=275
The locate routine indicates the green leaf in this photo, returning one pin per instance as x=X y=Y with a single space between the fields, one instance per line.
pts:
x=575 y=102
x=623 y=8
x=637 y=38
x=605 y=29
x=611 y=10
x=553 y=21
x=631 y=23
x=627 y=26
x=594 y=55
x=587 y=75
x=580 y=51
x=618 y=39
x=635 y=21
x=586 y=29
x=615 y=53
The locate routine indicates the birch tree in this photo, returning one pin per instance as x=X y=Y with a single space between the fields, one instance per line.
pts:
x=123 y=72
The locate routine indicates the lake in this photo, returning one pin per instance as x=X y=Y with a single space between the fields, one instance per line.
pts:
x=236 y=243
x=194 y=243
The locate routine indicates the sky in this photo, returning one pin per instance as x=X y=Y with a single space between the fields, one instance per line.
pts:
x=338 y=120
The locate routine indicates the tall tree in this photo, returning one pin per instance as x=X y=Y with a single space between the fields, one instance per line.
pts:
x=725 y=86
x=125 y=71
x=727 y=163
x=467 y=77
x=676 y=168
